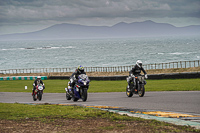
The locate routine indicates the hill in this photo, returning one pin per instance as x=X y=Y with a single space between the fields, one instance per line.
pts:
x=120 y=30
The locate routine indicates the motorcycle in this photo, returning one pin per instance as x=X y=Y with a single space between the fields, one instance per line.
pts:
x=138 y=87
x=80 y=88
x=38 y=92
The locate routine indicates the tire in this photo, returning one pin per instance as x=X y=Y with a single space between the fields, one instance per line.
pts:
x=68 y=97
x=74 y=99
x=84 y=94
x=34 y=99
x=142 y=91
x=129 y=93
x=40 y=95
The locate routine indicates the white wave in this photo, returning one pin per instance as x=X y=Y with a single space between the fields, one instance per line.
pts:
x=179 y=53
x=68 y=47
x=18 y=48
x=31 y=48
x=176 y=53
x=54 y=47
x=3 y=49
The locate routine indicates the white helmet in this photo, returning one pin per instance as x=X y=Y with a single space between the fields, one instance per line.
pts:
x=38 y=77
x=139 y=63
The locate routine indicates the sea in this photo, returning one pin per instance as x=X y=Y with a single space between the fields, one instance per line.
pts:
x=22 y=54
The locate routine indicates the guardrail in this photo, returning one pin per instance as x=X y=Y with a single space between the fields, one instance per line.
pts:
x=179 y=64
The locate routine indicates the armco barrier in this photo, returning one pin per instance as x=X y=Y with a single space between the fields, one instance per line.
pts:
x=92 y=78
x=22 y=78
x=150 y=76
x=175 y=75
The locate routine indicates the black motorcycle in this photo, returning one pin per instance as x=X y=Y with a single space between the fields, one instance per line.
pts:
x=138 y=87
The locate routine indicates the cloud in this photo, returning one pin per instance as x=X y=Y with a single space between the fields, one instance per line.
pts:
x=13 y=12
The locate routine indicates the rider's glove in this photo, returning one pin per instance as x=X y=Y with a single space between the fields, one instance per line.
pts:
x=146 y=76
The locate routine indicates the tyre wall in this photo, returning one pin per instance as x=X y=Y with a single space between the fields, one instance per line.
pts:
x=150 y=76
x=22 y=78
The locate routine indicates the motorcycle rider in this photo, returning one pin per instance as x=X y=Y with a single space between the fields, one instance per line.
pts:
x=74 y=76
x=37 y=82
x=136 y=70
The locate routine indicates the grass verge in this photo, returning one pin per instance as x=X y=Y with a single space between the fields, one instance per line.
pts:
x=55 y=118
x=57 y=86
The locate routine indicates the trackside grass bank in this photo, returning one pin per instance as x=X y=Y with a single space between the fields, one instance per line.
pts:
x=54 y=118
x=57 y=86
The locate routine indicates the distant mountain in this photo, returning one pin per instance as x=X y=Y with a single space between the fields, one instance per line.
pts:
x=122 y=30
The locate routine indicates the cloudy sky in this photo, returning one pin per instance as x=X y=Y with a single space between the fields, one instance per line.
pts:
x=19 y=16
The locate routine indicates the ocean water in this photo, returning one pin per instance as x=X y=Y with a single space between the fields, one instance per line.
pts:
x=97 y=52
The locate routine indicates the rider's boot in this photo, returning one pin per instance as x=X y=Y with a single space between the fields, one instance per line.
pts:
x=128 y=87
x=32 y=92
x=134 y=85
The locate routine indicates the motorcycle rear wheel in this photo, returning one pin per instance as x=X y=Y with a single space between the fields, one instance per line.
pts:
x=75 y=99
x=129 y=93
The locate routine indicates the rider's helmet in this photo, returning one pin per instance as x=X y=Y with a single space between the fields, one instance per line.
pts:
x=38 y=77
x=80 y=69
x=139 y=63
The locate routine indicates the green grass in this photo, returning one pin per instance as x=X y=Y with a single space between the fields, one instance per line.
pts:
x=52 y=113
x=23 y=111
x=173 y=85
x=15 y=111
x=57 y=86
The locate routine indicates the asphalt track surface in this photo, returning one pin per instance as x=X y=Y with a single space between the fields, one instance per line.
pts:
x=176 y=101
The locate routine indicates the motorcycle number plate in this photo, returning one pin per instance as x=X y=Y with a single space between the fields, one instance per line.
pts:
x=77 y=89
x=40 y=88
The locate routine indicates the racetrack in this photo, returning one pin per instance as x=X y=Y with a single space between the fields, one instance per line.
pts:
x=176 y=101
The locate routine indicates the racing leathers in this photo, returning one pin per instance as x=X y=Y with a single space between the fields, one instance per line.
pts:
x=74 y=77
x=37 y=82
x=135 y=71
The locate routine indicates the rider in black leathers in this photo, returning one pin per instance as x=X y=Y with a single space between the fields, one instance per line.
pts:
x=36 y=82
x=74 y=76
x=136 y=70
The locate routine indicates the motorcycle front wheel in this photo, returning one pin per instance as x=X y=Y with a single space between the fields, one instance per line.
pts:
x=68 y=97
x=39 y=95
x=141 y=91
x=129 y=93
x=34 y=99
x=84 y=94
